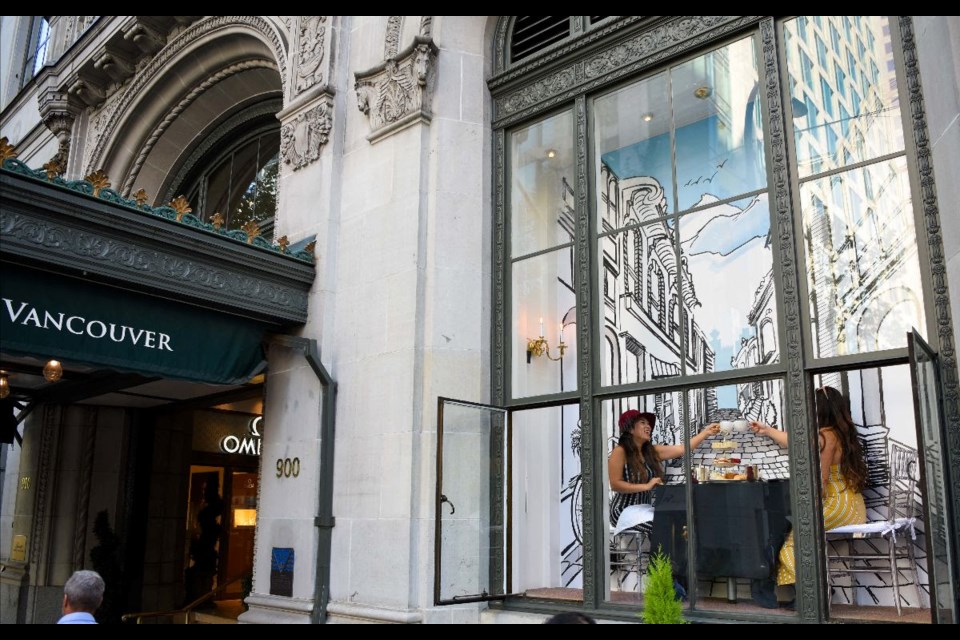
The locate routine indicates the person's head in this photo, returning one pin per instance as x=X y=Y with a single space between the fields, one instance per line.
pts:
x=570 y=617
x=636 y=429
x=833 y=411
x=83 y=592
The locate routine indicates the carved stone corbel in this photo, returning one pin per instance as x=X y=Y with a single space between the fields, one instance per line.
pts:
x=146 y=38
x=115 y=62
x=58 y=112
x=306 y=128
x=396 y=94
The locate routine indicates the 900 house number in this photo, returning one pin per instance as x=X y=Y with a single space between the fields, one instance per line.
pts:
x=287 y=467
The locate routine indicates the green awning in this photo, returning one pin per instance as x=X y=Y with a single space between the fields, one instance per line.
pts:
x=55 y=316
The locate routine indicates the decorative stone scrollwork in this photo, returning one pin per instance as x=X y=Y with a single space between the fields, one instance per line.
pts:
x=396 y=93
x=302 y=138
x=310 y=49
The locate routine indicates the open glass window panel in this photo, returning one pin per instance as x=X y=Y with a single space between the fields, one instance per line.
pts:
x=470 y=549
x=941 y=540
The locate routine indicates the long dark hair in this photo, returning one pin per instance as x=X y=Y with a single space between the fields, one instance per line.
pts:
x=637 y=456
x=833 y=412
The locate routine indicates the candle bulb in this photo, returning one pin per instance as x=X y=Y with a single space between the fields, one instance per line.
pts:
x=561 y=333
x=541 y=327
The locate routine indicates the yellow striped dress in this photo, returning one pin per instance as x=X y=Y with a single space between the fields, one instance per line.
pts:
x=841 y=506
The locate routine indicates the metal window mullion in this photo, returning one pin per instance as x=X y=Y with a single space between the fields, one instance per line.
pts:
x=808 y=524
x=500 y=373
x=588 y=364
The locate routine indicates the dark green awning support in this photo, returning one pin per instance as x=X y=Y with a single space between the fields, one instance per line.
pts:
x=55 y=316
x=324 y=520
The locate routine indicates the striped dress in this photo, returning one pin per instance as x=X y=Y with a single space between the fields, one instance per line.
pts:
x=841 y=506
x=621 y=501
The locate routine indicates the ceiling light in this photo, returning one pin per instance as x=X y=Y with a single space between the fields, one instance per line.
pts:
x=551 y=153
x=53 y=371
x=647 y=117
x=703 y=92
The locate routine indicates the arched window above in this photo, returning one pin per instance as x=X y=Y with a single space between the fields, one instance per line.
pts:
x=532 y=34
x=535 y=33
x=237 y=178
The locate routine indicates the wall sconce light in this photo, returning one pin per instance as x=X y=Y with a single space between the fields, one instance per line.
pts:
x=4 y=385
x=551 y=153
x=540 y=347
x=53 y=371
x=647 y=117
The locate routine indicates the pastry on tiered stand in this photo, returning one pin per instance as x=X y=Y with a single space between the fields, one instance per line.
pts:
x=724 y=465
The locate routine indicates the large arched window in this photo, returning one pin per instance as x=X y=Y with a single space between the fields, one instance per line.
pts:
x=237 y=178
x=721 y=131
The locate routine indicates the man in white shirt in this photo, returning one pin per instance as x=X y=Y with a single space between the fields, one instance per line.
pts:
x=82 y=595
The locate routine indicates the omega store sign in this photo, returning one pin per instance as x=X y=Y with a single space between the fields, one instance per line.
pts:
x=53 y=316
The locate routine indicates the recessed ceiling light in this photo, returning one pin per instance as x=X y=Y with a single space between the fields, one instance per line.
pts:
x=647 y=117
x=703 y=92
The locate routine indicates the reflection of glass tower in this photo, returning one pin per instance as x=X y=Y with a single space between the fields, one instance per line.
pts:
x=843 y=77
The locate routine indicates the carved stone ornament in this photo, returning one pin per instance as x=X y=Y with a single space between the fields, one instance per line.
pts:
x=310 y=43
x=396 y=94
x=302 y=138
x=58 y=112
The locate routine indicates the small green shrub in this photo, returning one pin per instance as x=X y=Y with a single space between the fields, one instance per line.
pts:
x=660 y=604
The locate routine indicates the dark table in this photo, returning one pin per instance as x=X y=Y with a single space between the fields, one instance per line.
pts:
x=740 y=528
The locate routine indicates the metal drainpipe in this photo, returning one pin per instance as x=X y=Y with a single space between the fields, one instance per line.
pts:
x=324 y=521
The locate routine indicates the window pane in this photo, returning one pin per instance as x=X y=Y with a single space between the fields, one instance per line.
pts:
x=718 y=120
x=727 y=287
x=867 y=123
x=639 y=301
x=547 y=503
x=259 y=202
x=629 y=540
x=863 y=269
x=741 y=498
x=882 y=410
x=243 y=184
x=541 y=188
x=632 y=143
x=544 y=305
x=218 y=186
x=472 y=512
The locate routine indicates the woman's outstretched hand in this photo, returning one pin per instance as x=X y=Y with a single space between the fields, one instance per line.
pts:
x=760 y=428
x=780 y=437
x=712 y=429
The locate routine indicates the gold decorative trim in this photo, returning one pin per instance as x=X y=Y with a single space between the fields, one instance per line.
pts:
x=252 y=229
x=181 y=206
x=283 y=243
x=217 y=221
x=141 y=197
x=53 y=169
x=7 y=150
x=99 y=180
x=310 y=247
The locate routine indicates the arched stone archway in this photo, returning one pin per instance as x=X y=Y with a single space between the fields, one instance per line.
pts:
x=200 y=79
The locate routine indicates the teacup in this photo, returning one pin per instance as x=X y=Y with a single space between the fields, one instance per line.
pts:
x=740 y=425
x=726 y=427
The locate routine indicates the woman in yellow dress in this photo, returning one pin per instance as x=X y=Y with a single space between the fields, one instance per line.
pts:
x=843 y=471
